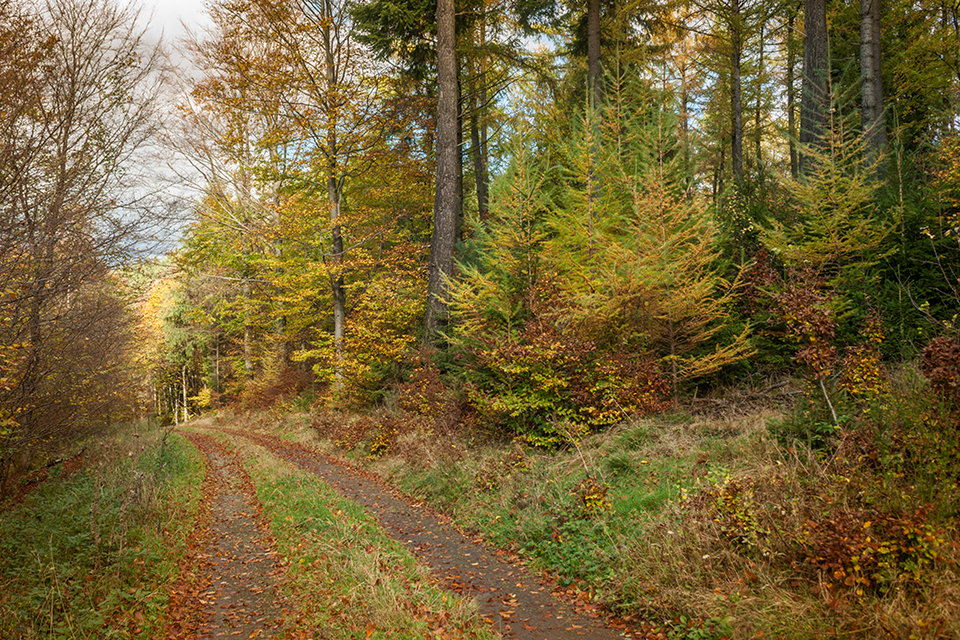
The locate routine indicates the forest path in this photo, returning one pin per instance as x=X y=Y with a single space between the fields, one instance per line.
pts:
x=230 y=579
x=515 y=601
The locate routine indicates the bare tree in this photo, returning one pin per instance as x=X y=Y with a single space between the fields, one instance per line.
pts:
x=72 y=210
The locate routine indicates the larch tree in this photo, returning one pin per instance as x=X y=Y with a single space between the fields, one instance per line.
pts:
x=650 y=284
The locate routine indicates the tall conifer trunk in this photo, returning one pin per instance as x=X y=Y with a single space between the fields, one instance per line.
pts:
x=792 y=96
x=874 y=125
x=446 y=206
x=736 y=101
x=758 y=113
x=593 y=52
x=815 y=99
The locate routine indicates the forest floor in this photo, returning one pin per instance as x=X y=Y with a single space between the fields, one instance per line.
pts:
x=232 y=578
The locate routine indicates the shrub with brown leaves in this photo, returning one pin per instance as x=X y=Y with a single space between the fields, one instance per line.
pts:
x=941 y=366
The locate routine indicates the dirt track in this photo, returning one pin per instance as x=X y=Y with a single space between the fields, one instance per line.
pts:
x=514 y=600
x=230 y=580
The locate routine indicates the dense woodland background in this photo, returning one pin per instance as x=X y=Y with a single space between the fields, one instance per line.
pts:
x=568 y=213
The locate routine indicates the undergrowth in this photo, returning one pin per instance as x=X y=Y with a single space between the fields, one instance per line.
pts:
x=88 y=555
x=766 y=525
x=834 y=519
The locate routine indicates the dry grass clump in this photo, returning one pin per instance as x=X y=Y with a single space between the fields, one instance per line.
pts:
x=793 y=543
x=424 y=422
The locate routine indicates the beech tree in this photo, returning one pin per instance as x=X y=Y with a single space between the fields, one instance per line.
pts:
x=73 y=213
x=299 y=93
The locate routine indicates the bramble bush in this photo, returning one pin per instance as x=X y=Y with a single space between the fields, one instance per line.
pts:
x=867 y=552
x=941 y=367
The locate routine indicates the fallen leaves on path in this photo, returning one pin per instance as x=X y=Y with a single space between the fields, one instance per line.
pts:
x=515 y=601
x=230 y=578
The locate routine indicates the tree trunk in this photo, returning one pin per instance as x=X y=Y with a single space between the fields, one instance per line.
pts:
x=593 y=53
x=216 y=364
x=792 y=97
x=481 y=160
x=758 y=115
x=183 y=380
x=334 y=196
x=736 y=101
x=247 y=331
x=336 y=277
x=874 y=125
x=815 y=97
x=446 y=206
x=459 y=157
x=478 y=148
x=685 y=130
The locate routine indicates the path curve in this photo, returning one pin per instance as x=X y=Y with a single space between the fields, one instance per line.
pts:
x=517 y=602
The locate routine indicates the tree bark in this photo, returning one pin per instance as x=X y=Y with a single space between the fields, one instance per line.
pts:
x=685 y=130
x=593 y=53
x=792 y=97
x=736 y=101
x=478 y=143
x=874 y=125
x=183 y=381
x=334 y=191
x=815 y=97
x=446 y=207
x=758 y=114
x=247 y=292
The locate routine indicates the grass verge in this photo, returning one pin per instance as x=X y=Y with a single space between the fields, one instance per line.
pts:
x=88 y=555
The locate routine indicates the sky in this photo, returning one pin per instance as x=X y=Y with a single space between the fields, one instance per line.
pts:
x=168 y=18
x=169 y=14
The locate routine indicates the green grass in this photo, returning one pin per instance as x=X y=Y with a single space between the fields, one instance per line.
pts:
x=88 y=556
x=703 y=528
